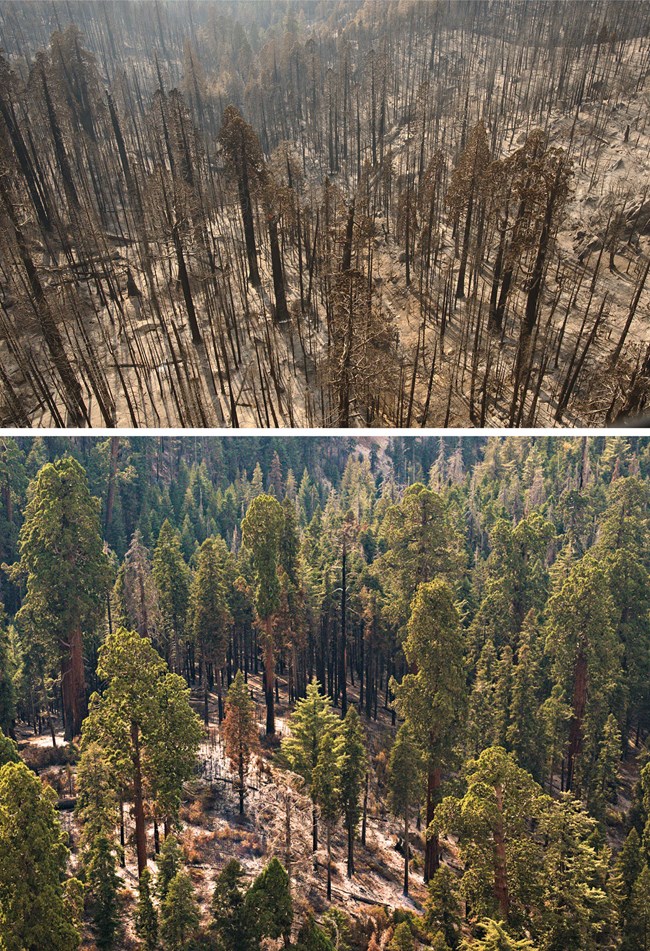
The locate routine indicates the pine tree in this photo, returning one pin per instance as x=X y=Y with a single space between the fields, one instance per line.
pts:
x=172 y=578
x=606 y=772
x=443 y=911
x=240 y=732
x=524 y=728
x=313 y=938
x=179 y=914
x=639 y=925
x=67 y=574
x=269 y=905
x=585 y=654
x=402 y=939
x=170 y=862
x=578 y=904
x=7 y=689
x=96 y=805
x=34 y=911
x=494 y=937
x=261 y=534
x=312 y=718
x=100 y=863
x=432 y=700
x=493 y=820
x=326 y=781
x=137 y=592
x=146 y=916
x=350 y=748
x=231 y=925
x=421 y=545
x=405 y=780
x=209 y=615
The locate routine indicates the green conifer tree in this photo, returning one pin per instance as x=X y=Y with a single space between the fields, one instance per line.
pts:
x=179 y=914
x=350 y=749
x=405 y=781
x=146 y=916
x=34 y=910
x=312 y=718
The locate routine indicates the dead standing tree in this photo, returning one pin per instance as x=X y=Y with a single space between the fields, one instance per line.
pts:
x=361 y=361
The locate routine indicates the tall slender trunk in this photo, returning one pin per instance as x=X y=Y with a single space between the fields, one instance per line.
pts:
x=247 y=216
x=575 y=732
x=242 y=788
x=184 y=279
x=460 y=286
x=406 y=850
x=343 y=658
x=329 y=862
x=269 y=673
x=72 y=388
x=500 y=869
x=138 y=802
x=431 y=857
x=112 y=473
x=281 y=311
x=364 y=820
x=350 y=869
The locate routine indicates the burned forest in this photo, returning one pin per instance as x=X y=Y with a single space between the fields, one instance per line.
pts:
x=324 y=214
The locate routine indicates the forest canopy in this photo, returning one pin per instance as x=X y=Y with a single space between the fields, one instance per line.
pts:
x=325 y=692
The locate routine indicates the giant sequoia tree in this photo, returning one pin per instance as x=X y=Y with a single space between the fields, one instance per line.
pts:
x=66 y=574
x=261 y=533
x=431 y=698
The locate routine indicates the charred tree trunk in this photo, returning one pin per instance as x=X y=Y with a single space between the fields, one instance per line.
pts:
x=281 y=311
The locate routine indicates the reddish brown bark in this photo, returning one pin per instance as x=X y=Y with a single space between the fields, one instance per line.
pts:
x=73 y=683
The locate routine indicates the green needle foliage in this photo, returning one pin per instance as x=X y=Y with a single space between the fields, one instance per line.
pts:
x=268 y=903
x=312 y=719
x=179 y=914
x=66 y=572
x=34 y=911
x=146 y=916
x=144 y=723
x=232 y=925
x=240 y=733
